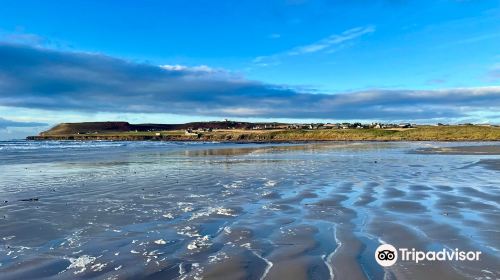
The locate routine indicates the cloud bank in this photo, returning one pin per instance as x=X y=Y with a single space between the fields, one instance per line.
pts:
x=4 y=123
x=32 y=77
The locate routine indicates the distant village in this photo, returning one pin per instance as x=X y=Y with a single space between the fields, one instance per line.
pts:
x=315 y=126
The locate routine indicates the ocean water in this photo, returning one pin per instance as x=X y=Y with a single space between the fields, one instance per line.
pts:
x=161 y=210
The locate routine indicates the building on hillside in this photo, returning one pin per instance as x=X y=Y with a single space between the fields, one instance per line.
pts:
x=404 y=125
x=331 y=126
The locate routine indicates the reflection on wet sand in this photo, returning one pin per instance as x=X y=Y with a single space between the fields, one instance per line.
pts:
x=463 y=150
x=308 y=211
x=285 y=148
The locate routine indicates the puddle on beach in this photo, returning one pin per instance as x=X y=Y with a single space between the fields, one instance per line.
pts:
x=127 y=210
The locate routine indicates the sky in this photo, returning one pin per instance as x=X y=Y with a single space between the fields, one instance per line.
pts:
x=288 y=60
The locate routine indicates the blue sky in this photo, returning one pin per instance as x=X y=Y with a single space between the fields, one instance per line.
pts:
x=293 y=60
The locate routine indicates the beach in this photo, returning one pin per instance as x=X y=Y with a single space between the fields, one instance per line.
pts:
x=209 y=210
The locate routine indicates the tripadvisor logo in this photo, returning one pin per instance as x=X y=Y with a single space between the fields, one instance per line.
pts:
x=387 y=255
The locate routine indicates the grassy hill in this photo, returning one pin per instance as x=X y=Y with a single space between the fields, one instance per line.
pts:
x=115 y=127
x=87 y=127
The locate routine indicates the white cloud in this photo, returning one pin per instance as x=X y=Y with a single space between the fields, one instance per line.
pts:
x=327 y=45
x=199 y=68
x=332 y=40
x=494 y=73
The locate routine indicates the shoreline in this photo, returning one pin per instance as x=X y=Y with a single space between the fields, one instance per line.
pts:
x=271 y=141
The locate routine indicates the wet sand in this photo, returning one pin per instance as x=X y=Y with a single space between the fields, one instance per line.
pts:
x=490 y=163
x=462 y=150
x=220 y=211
